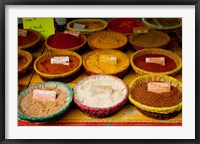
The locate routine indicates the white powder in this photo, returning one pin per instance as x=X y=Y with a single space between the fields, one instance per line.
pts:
x=100 y=92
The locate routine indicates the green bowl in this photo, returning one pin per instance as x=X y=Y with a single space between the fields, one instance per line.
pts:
x=54 y=116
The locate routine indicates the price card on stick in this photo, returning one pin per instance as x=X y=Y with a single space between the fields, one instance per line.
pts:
x=45 y=26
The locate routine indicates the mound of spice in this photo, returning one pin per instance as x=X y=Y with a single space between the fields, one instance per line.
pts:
x=45 y=65
x=29 y=38
x=64 y=41
x=34 y=107
x=165 y=99
x=154 y=67
x=124 y=25
x=21 y=62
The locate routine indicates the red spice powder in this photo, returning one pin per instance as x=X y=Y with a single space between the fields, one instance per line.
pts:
x=124 y=25
x=140 y=63
x=31 y=37
x=63 y=41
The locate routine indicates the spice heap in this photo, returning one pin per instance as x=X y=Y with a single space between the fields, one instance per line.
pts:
x=154 y=67
x=165 y=99
x=124 y=25
x=64 y=41
x=45 y=65
x=33 y=107
x=27 y=39
x=106 y=61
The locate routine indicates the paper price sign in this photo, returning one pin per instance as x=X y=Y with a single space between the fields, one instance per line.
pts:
x=45 y=26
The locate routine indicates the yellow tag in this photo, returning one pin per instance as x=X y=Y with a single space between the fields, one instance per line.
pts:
x=45 y=26
x=140 y=30
x=109 y=59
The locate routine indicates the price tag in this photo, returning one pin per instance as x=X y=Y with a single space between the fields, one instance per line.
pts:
x=79 y=26
x=22 y=32
x=157 y=60
x=140 y=30
x=109 y=59
x=60 y=60
x=76 y=34
x=158 y=87
x=44 y=95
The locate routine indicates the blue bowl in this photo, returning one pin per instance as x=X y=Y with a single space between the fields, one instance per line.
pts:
x=52 y=117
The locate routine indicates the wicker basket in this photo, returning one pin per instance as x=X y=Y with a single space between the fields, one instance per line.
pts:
x=107 y=37
x=76 y=48
x=163 y=112
x=87 y=21
x=169 y=54
x=25 y=67
x=118 y=73
x=156 y=34
x=32 y=44
x=44 y=119
x=65 y=77
x=100 y=112
x=157 y=25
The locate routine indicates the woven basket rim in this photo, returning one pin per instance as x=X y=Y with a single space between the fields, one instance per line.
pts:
x=27 y=46
x=98 y=108
x=52 y=76
x=96 y=34
x=66 y=49
x=178 y=60
x=29 y=57
x=164 y=110
x=87 y=31
x=102 y=52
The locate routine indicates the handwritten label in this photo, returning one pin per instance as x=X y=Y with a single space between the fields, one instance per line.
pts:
x=79 y=26
x=158 y=87
x=45 y=26
x=157 y=60
x=60 y=60
x=44 y=95
x=140 y=30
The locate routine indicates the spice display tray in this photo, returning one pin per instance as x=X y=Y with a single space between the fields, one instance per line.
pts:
x=127 y=116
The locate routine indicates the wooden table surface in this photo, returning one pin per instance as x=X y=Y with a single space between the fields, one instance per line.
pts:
x=127 y=116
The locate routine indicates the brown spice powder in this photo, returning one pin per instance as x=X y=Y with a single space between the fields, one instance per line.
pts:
x=167 y=99
x=21 y=62
x=31 y=37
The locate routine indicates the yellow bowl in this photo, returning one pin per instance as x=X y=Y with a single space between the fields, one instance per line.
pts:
x=152 y=78
x=87 y=22
x=68 y=76
x=35 y=42
x=169 y=54
x=76 y=48
x=29 y=58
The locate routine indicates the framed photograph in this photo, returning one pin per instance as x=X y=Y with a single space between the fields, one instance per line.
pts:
x=128 y=31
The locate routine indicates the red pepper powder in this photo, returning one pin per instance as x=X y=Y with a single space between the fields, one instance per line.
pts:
x=152 y=67
x=64 y=41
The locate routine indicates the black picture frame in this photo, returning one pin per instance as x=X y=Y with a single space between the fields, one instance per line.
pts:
x=3 y=4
